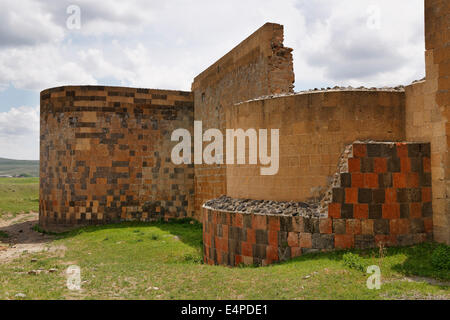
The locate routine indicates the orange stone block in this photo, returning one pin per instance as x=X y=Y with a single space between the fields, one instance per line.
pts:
x=326 y=226
x=380 y=165
x=359 y=150
x=353 y=226
x=370 y=180
x=391 y=211
x=343 y=241
x=361 y=211
x=426 y=194
x=415 y=210
x=402 y=150
x=351 y=195
x=354 y=165
x=357 y=180
x=293 y=239
x=399 y=180
x=334 y=210
x=305 y=240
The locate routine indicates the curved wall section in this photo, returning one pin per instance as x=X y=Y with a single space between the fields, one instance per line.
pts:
x=105 y=155
x=314 y=128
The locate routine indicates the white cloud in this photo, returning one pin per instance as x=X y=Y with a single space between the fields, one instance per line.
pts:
x=19 y=133
x=164 y=44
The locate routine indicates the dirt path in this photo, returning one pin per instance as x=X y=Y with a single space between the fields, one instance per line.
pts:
x=22 y=238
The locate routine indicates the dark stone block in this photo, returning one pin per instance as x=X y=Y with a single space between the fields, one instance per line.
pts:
x=373 y=150
x=393 y=164
x=322 y=241
x=338 y=195
x=426 y=150
x=381 y=226
x=282 y=239
x=311 y=225
x=405 y=240
x=286 y=223
x=247 y=221
x=404 y=210
x=284 y=253
x=414 y=150
x=385 y=180
x=403 y=195
x=388 y=151
x=364 y=195
x=364 y=241
x=415 y=195
x=259 y=251
x=416 y=165
x=375 y=211
x=346 y=180
x=425 y=179
x=366 y=164
x=262 y=237
x=417 y=226
x=347 y=211
x=339 y=226
x=378 y=196
x=427 y=210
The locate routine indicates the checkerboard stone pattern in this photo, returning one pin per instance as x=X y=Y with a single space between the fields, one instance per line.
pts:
x=105 y=155
x=385 y=197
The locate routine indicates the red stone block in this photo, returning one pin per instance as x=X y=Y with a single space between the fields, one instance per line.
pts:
x=403 y=226
x=405 y=164
x=359 y=150
x=343 y=241
x=354 y=165
x=394 y=226
x=274 y=223
x=305 y=240
x=361 y=211
x=391 y=211
x=225 y=231
x=370 y=180
x=351 y=195
x=402 y=150
x=219 y=256
x=247 y=249
x=426 y=194
x=390 y=196
x=259 y=221
x=237 y=259
x=415 y=210
x=380 y=165
x=428 y=223
x=412 y=180
x=238 y=220
x=353 y=226
x=251 y=236
x=399 y=180
x=357 y=180
x=326 y=225
x=293 y=239
x=426 y=165
x=334 y=210
x=386 y=240
x=271 y=254
x=296 y=252
x=273 y=238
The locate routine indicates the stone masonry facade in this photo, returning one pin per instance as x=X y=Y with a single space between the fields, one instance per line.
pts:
x=372 y=163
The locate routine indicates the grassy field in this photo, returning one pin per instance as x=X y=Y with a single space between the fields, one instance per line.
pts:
x=164 y=261
x=18 y=167
x=19 y=195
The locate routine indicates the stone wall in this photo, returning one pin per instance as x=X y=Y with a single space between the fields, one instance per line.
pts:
x=105 y=155
x=384 y=198
x=314 y=129
x=259 y=65
x=427 y=110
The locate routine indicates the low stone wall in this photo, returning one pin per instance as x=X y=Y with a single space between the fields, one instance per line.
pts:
x=383 y=197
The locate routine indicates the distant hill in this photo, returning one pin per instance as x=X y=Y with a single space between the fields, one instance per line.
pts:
x=11 y=167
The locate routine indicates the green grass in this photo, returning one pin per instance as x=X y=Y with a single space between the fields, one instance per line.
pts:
x=126 y=261
x=18 y=167
x=19 y=195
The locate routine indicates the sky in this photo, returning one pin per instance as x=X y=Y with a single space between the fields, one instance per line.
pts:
x=165 y=44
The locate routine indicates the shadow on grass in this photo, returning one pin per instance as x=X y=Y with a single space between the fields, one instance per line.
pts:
x=188 y=231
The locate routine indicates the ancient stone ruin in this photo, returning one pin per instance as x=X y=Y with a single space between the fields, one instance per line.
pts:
x=357 y=166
